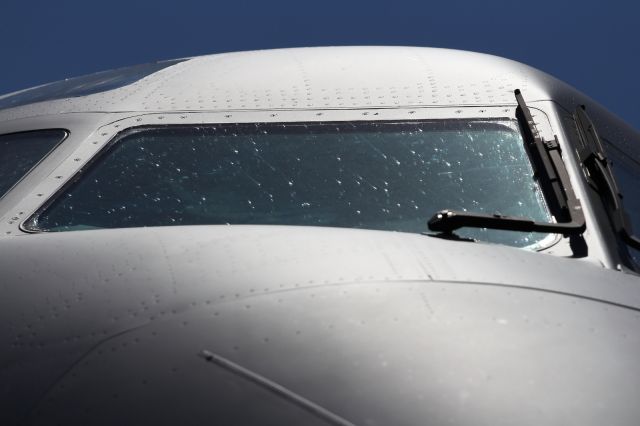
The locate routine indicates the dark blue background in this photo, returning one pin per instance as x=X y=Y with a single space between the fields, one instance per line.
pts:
x=591 y=45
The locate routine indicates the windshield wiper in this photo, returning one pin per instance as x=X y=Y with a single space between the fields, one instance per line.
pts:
x=549 y=170
x=597 y=170
x=450 y=220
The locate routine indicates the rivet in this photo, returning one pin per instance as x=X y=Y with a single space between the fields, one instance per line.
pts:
x=58 y=177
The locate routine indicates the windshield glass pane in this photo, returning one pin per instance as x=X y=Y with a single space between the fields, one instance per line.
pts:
x=373 y=175
x=19 y=152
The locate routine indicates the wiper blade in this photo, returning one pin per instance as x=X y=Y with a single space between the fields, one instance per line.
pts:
x=450 y=220
x=549 y=171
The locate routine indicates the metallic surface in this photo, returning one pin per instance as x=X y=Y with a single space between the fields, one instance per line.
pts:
x=313 y=325
x=346 y=318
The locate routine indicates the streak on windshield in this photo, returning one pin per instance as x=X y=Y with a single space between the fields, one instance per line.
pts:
x=372 y=175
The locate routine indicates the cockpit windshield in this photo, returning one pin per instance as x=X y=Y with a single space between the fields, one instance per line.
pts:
x=372 y=175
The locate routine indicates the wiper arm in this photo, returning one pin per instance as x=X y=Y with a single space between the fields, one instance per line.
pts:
x=551 y=173
x=450 y=220
x=597 y=170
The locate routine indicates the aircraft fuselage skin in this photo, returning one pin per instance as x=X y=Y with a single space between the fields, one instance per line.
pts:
x=278 y=324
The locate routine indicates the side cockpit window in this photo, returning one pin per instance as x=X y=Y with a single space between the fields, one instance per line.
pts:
x=627 y=173
x=611 y=166
x=20 y=152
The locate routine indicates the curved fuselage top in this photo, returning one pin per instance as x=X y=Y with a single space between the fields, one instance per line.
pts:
x=308 y=78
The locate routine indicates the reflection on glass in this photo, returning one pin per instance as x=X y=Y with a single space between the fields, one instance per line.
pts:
x=19 y=152
x=373 y=175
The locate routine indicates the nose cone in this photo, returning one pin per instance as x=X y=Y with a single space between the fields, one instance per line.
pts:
x=278 y=325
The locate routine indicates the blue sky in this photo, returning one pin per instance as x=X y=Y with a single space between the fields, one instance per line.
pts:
x=591 y=45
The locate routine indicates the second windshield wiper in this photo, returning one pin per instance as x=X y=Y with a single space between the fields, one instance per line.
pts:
x=551 y=173
x=597 y=170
